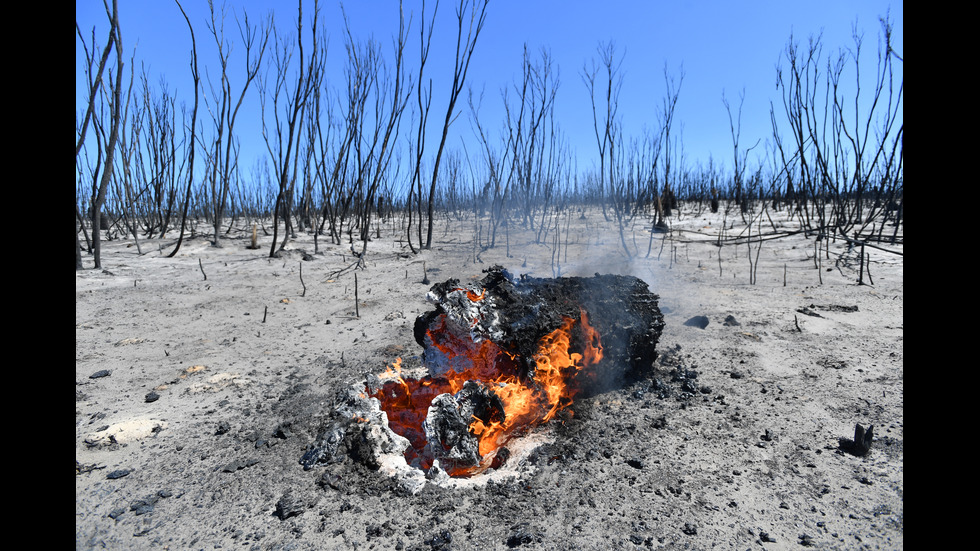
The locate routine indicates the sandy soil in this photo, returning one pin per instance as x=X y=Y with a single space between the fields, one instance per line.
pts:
x=195 y=398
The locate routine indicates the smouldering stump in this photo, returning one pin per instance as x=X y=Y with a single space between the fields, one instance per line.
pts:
x=502 y=356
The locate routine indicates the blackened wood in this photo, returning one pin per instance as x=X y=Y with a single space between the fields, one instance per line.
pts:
x=622 y=309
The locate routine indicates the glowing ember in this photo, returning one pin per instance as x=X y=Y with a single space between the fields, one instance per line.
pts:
x=487 y=380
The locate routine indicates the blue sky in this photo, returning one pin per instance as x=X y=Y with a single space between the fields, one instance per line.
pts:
x=718 y=46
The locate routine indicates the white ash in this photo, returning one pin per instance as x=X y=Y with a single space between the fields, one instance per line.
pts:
x=383 y=449
x=478 y=318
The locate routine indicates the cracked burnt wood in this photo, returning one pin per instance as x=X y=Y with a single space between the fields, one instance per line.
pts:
x=448 y=423
x=516 y=313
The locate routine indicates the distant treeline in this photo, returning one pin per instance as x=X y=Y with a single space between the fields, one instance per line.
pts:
x=342 y=160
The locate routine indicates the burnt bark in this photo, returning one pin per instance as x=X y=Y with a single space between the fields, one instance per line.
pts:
x=515 y=313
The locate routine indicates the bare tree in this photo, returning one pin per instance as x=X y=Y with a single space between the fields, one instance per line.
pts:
x=606 y=126
x=424 y=98
x=333 y=177
x=740 y=159
x=843 y=148
x=497 y=187
x=287 y=106
x=195 y=75
x=869 y=147
x=667 y=198
x=227 y=103
x=128 y=146
x=375 y=144
x=160 y=171
x=613 y=177
x=112 y=94
x=798 y=84
x=316 y=151
x=464 y=53
x=534 y=139
x=94 y=73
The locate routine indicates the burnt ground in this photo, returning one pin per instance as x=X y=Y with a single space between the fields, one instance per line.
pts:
x=196 y=398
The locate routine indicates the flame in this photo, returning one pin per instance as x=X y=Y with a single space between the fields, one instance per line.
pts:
x=393 y=370
x=471 y=294
x=528 y=400
x=556 y=365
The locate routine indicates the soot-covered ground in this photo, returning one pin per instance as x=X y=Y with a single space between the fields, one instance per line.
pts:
x=202 y=380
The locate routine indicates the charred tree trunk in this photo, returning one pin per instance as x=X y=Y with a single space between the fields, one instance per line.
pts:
x=190 y=162
x=114 y=98
x=464 y=53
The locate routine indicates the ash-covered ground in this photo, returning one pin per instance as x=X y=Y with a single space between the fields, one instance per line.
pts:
x=202 y=380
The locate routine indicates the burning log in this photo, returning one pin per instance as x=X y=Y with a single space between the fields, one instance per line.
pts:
x=505 y=355
x=501 y=357
x=514 y=315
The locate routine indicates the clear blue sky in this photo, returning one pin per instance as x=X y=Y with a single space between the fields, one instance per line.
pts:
x=719 y=46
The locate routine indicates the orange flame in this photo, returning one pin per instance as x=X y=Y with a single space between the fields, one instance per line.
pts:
x=527 y=401
x=471 y=294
